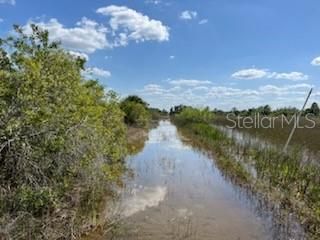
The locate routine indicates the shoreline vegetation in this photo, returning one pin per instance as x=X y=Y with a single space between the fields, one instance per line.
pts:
x=63 y=140
x=304 y=137
x=286 y=179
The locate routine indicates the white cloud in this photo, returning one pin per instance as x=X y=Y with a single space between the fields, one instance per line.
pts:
x=88 y=36
x=153 y=89
x=142 y=198
x=316 y=61
x=12 y=2
x=254 y=73
x=172 y=57
x=79 y=54
x=128 y=24
x=225 y=97
x=293 y=76
x=200 y=88
x=155 y=2
x=222 y=91
x=188 y=15
x=251 y=73
x=97 y=72
x=158 y=3
x=188 y=82
x=203 y=21
x=297 y=89
x=1 y=20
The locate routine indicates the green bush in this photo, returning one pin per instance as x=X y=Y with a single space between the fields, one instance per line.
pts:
x=136 y=113
x=194 y=115
x=60 y=134
x=37 y=201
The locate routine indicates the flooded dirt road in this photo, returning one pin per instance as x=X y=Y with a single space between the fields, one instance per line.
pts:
x=178 y=193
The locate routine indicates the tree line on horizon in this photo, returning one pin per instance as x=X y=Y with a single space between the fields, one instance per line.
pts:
x=265 y=110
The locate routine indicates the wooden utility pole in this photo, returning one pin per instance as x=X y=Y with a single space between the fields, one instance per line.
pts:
x=296 y=122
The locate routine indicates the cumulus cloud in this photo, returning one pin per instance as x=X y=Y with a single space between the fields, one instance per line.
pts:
x=316 y=61
x=201 y=88
x=128 y=24
x=293 y=76
x=87 y=36
x=188 y=82
x=97 y=72
x=255 y=73
x=222 y=91
x=225 y=97
x=188 y=15
x=251 y=73
x=142 y=198
x=79 y=54
x=154 y=89
x=203 y=21
x=12 y=2
x=283 y=90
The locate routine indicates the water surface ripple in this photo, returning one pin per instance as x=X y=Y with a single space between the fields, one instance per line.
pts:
x=177 y=192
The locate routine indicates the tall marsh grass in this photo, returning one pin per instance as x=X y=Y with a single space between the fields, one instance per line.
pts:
x=289 y=179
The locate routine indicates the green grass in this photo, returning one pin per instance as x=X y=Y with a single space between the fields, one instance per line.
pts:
x=284 y=178
x=304 y=137
x=205 y=137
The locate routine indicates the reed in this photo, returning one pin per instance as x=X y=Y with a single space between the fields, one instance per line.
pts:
x=289 y=179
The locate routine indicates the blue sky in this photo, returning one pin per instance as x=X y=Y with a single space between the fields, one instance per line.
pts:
x=217 y=53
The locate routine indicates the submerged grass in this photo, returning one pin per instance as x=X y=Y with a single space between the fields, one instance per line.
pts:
x=204 y=136
x=279 y=132
x=287 y=179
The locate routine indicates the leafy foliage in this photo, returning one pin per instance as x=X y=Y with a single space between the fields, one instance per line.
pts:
x=136 y=99
x=59 y=133
x=136 y=111
x=194 y=115
x=315 y=110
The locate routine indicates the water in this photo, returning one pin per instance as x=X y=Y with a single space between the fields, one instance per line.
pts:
x=248 y=139
x=177 y=192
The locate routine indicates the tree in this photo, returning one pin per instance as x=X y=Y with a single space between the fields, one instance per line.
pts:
x=136 y=99
x=235 y=111
x=177 y=109
x=266 y=110
x=136 y=111
x=60 y=135
x=315 y=109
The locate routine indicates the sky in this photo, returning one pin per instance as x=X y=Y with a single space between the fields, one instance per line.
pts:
x=216 y=53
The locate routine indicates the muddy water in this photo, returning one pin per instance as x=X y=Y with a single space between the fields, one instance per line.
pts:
x=178 y=193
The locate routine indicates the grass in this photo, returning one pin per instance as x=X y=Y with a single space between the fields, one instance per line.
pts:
x=303 y=137
x=205 y=137
x=284 y=178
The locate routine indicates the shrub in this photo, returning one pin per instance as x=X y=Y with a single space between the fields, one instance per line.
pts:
x=194 y=115
x=60 y=134
x=136 y=113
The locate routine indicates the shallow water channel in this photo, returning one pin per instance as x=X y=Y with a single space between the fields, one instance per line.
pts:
x=177 y=192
